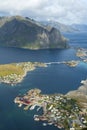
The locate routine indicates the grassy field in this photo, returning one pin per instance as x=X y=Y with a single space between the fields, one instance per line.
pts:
x=9 y=69
x=14 y=73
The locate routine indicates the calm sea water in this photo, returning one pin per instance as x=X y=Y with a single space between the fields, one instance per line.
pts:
x=53 y=79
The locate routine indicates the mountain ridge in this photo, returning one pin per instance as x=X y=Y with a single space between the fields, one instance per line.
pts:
x=17 y=31
x=80 y=27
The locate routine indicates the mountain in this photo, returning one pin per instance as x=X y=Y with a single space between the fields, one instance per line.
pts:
x=60 y=26
x=23 y=32
x=80 y=27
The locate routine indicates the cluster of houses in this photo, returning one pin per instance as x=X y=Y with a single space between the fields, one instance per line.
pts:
x=58 y=109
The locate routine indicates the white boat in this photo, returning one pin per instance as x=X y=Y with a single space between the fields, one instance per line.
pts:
x=44 y=124
x=32 y=107
x=20 y=105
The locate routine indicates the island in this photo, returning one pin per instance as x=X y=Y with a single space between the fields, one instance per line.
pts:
x=15 y=72
x=82 y=53
x=59 y=110
x=72 y=63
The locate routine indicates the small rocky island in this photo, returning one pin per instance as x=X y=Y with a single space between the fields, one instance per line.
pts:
x=15 y=72
x=72 y=63
x=82 y=54
x=59 y=110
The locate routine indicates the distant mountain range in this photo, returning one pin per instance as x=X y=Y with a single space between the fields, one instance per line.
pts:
x=23 y=32
x=80 y=27
x=60 y=26
x=66 y=28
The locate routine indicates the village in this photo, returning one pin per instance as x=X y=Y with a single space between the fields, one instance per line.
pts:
x=58 y=110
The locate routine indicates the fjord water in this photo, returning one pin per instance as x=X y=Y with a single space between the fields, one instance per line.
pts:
x=56 y=78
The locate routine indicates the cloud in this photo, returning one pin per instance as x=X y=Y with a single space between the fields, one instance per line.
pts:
x=65 y=11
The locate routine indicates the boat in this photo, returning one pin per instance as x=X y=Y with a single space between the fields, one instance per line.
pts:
x=44 y=124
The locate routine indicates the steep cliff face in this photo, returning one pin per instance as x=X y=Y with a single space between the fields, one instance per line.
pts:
x=23 y=32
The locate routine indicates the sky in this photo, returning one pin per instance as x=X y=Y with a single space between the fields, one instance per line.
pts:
x=64 y=11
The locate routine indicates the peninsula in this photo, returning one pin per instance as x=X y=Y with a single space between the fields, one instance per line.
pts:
x=15 y=72
x=59 y=110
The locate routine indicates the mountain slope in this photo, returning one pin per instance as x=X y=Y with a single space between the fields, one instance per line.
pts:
x=23 y=32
